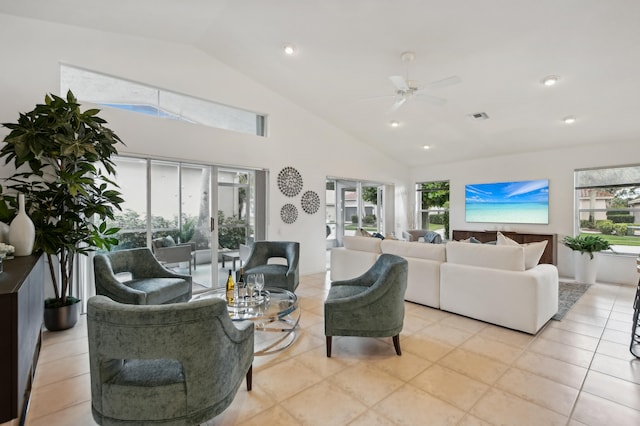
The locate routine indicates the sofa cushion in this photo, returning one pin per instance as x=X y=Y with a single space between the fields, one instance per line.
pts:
x=507 y=257
x=418 y=250
x=362 y=243
x=532 y=251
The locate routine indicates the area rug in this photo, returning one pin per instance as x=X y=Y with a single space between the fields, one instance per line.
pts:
x=568 y=294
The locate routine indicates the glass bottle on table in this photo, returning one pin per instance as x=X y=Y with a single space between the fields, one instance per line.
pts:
x=242 y=286
x=231 y=288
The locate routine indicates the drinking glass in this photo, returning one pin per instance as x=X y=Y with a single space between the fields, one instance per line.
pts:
x=251 y=285
x=259 y=283
x=242 y=291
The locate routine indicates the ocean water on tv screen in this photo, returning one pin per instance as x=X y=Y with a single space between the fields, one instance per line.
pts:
x=508 y=212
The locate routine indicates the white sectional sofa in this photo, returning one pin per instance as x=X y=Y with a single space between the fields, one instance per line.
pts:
x=500 y=284
x=423 y=279
x=491 y=283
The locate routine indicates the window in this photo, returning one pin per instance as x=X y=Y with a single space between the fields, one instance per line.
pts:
x=608 y=204
x=114 y=92
x=432 y=202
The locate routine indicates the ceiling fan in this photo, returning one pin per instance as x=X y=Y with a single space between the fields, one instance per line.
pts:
x=407 y=89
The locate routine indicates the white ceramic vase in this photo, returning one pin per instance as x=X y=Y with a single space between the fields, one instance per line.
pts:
x=585 y=268
x=22 y=233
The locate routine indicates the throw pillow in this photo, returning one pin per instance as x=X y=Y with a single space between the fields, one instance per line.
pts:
x=505 y=241
x=432 y=237
x=378 y=235
x=532 y=251
x=473 y=240
x=168 y=241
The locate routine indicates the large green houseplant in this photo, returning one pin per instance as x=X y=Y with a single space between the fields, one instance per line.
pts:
x=588 y=244
x=585 y=263
x=63 y=164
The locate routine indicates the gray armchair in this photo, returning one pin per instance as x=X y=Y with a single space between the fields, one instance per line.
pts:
x=168 y=252
x=371 y=305
x=150 y=283
x=179 y=364
x=275 y=275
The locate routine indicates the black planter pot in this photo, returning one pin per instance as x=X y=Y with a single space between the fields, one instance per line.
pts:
x=62 y=318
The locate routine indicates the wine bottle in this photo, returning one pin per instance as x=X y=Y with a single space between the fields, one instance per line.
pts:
x=231 y=287
x=242 y=289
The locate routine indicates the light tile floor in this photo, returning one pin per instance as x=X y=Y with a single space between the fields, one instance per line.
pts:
x=453 y=371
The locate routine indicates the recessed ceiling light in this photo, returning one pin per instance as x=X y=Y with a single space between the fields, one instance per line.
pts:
x=550 y=80
x=289 y=49
x=394 y=123
x=426 y=147
x=569 y=120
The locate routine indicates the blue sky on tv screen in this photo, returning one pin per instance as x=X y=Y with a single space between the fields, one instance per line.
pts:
x=530 y=191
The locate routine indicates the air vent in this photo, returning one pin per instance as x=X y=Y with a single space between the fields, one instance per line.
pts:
x=479 y=116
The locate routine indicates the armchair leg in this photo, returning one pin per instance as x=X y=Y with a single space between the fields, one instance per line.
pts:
x=249 y=377
x=396 y=344
x=328 y=346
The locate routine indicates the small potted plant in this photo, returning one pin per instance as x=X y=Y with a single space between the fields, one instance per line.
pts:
x=63 y=166
x=585 y=262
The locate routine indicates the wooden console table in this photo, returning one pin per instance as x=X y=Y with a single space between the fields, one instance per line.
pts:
x=548 y=256
x=21 y=316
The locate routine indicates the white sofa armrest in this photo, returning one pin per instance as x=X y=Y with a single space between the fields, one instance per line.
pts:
x=521 y=300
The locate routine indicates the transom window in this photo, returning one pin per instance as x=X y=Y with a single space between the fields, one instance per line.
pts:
x=114 y=92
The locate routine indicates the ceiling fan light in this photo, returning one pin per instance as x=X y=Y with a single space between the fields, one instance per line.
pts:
x=394 y=123
x=550 y=80
x=289 y=49
x=569 y=120
x=426 y=147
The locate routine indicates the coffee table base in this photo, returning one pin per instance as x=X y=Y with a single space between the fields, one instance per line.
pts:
x=286 y=326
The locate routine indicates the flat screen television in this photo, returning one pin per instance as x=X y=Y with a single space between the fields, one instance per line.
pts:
x=508 y=202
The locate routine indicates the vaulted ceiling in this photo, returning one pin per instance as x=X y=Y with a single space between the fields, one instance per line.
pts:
x=347 y=49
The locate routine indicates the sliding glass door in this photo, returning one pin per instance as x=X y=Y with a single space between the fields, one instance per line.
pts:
x=352 y=205
x=211 y=208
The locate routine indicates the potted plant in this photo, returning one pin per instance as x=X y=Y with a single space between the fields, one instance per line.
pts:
x=585 y=263
x=62 y=159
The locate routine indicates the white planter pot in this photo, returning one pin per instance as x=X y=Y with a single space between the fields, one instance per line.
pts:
x=585 y=268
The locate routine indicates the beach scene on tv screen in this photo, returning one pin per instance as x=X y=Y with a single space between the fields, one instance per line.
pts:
x=508 y=202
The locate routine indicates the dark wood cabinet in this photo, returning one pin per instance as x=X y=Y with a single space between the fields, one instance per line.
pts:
x=550 y=251
x=21 y=313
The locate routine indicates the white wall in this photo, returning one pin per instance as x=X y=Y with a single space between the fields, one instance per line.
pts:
x=557 y=166
x=32 y=51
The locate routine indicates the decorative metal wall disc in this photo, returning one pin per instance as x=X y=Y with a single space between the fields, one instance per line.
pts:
x=289 y=213
x=310 y=202
x=290 y=181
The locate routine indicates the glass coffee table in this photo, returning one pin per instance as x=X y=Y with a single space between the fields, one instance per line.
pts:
x=275 y=311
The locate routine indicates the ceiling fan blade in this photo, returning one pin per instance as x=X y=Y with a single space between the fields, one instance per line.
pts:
x=399 y=82
x=397 y=104
x=431 y=99
x=374 y=98
x=449 y=81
